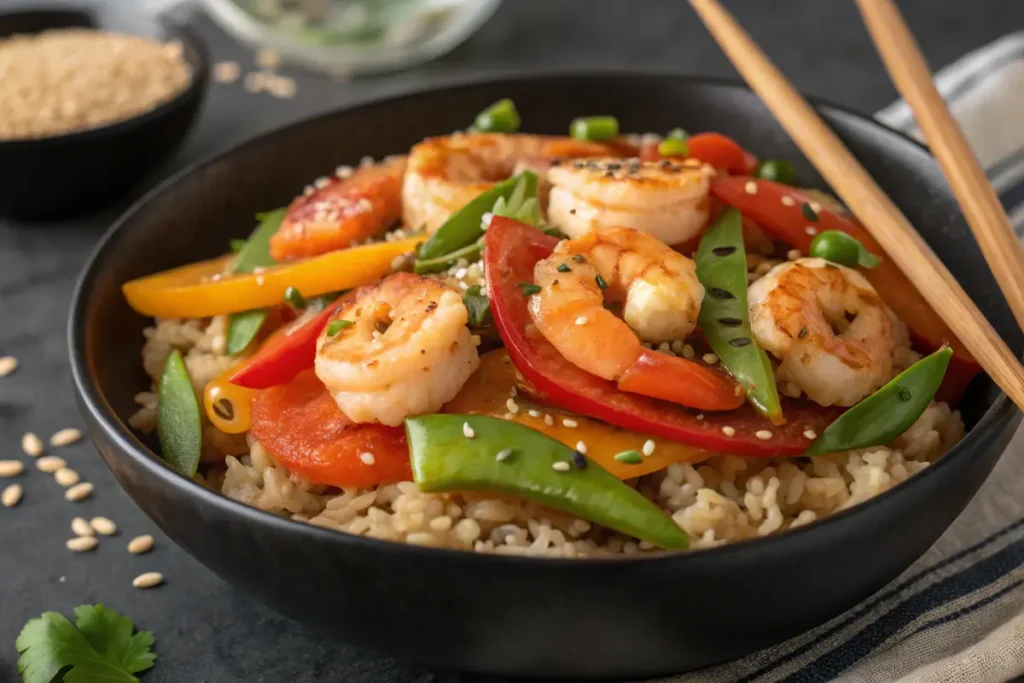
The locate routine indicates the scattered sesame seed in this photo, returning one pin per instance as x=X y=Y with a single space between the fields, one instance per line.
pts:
x=533 y=413
x=65 y=437
x=649 y=447
x=8 y=364
x=81 y=544
x=728 y=431
x=677 y=347
x=11 y=495
x=513 y=407
x=664 y=347
x=548 y=420
x=467 y=431
x=504 y=454
x=80 y=527
x=148 y=580
x=104 y=526
x=582 y=320
x=78 y=492
x=793 y=254
x=268 y=59
x=811 y=230
x=571 y=424
x=763 y=434
x=688 y=351
x=581 y=447
x=460 y=273
x=343 y=172
x=700 y=416
x=810 y=434
x=32 y=445
x=11 y=468
x=709 y=358
x=66 y=477
x=750 y=187
x=259 y=280
x=367 y=458
x=140 y=544
x=50 y=463
x=815 y=206
x=508 y=416
x=560 y=466
x=788 y=201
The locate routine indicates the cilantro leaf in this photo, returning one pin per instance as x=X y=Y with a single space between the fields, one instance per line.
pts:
x=101 y=650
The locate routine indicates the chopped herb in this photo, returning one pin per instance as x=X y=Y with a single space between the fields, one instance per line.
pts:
x=528 y=288
x=578 y=258
x=294 y=298
x=563 y=268
x=802 y=333
x=601 y=284
x=337 y=326
x=478 y=306
x=629 y=457
x=809 y=213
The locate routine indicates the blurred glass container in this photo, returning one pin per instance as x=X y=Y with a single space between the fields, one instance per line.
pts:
x=353 y=36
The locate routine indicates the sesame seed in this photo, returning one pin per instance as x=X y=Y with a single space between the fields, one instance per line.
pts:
x=65 y=437
x=140 y=544
x=104 y=526
x=66 y=477
x=460 y=273
x=11 y=495
x=793 y=254
x=548 y=420
x=367 y=458
x=513 y=407
x=508 y=416
x=728 y=431
x=811 y=230
x=259 y=280
x=560 y=466
x=32 y=445
x=467 y=431
x=815 y=207
x=8 y=364
x=582 y=320
x=750 y=187
x=571 y=424
x=648 y=447
x=11 y=468
x=343 y=171
x=78 y=492
x=80 y=527
x=50 y=464
x=81 y=544
x=763 y=434
x=700 y=416
x=581 y=447
x=504 y=454
x=268 y=59
x=533 y=413
x=688 y=351
x=148 y=580
x=677 y=347
x=664 y=347
x=810 y=434
x=788 y=201
x=709 y=358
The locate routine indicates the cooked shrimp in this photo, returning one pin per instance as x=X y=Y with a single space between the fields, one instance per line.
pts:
x=445 y=173
x=828 y=327
x=407 y=352
x=341 y=210
x=665 y=199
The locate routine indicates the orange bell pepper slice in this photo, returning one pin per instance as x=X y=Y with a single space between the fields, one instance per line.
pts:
x=200 y=290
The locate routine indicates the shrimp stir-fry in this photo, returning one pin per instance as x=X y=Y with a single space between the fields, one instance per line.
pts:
x=828 y=327
x=660 y=297
x=406 y=351
x=665 y=199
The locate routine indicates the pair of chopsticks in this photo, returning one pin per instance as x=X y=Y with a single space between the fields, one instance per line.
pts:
x=880 y=216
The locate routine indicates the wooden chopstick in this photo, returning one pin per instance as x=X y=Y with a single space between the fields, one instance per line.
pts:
x=981 y=207
x=880 y=216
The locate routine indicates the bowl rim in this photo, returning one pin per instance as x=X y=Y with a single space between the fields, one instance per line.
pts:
x=199 y=67
x=91 y=399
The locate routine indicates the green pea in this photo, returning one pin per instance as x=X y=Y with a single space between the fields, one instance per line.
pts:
x=838 y=247
x=500 y=117
x=594 y=128
x=776 y=170
x=677 y=134
x=673 y=147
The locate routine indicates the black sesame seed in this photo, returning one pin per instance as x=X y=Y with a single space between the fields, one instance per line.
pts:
x=723 y=251
x=904 y=394
x=614 y=166
x=579 y=460
x=739 y=342
x=578 y=164
x=720 y=293
x=809 y=212
x=730 y=322
x=802 y=333
x=563 y=268
x=572 y=212
x=578 y=258
x=601 y=284
x=609 y=174
x=556 y=162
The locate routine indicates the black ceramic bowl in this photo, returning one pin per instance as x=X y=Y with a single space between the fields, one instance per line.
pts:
x=57 y=176
x=503 y=615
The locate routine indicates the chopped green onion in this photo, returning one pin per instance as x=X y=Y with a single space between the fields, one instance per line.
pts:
x=677 y=134
x=337 y=326
x=673 y=147
x=478 y=306
x=776 y=170
x=563 y=268
x=528 y=288
x=294 y=298
x=594 y=128
x=500 y=117
x=629 y=457
x=601 y=284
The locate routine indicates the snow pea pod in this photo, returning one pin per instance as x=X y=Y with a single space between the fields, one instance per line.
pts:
x=463 y=227
x=722 y=269
x=178 y=426
x=255 y=253
x=888 y=412
x=475 y=452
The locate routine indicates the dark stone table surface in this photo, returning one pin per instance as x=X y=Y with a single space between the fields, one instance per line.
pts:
x=207 y=631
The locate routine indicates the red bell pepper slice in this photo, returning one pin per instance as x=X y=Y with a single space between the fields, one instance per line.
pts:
x=715 y=149
x=659 y=375
x=788 y=223
x=510 y=252
x=286 y=353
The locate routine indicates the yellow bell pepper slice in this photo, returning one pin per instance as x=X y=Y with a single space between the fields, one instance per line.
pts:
x=202 y=289
x=487 y=392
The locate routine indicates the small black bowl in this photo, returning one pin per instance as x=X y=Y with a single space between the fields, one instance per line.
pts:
x=64 y=174
x=618 y=618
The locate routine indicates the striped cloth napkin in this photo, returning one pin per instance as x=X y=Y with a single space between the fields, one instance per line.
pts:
x=957 y=615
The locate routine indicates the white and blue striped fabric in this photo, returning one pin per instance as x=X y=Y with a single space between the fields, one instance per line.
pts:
x=957 y=616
